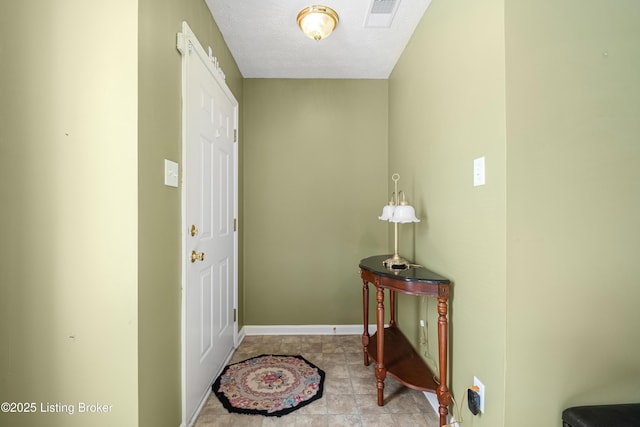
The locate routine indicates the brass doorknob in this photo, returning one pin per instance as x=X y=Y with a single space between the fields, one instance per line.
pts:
x=194 y=231
x=197 y=256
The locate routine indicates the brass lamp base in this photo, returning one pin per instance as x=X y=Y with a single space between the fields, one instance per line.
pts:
x=396 y=263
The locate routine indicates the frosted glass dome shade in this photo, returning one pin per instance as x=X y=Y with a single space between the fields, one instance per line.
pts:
x=317 y=22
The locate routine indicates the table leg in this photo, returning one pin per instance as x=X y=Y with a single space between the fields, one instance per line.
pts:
x=444 y=396
x=392 y=307
x=365 y=321
x=381 y=371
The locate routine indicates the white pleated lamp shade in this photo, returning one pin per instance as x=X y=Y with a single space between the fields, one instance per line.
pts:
x=387 y=212
x=404 y=214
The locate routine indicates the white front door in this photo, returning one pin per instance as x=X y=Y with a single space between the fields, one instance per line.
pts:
x=210 y=201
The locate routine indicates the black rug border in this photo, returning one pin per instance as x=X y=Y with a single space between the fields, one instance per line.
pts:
x=227 y=405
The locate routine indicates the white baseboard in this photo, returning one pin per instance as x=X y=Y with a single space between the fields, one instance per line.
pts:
x=433 y=401
x=239 y=337
x=304 y=330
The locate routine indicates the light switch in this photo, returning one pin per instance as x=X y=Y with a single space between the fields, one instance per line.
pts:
x=478 y=171
x=170 y=173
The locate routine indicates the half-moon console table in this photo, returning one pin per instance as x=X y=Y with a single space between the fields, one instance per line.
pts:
x=391 y=351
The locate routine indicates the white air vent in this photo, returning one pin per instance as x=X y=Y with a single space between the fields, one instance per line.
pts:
x=381 y=13
x=383 y=6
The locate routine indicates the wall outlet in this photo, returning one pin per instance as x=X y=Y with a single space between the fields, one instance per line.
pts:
x=477 y=383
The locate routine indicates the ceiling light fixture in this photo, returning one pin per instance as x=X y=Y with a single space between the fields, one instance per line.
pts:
x=317 y=22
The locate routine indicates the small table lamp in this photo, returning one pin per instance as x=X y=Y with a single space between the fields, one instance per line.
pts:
x=399 y=212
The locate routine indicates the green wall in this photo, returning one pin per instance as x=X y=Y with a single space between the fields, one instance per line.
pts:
x=446 y=108
x=69 y=217
x=89 y=271
x=543 y=257
x=573 y=102
x=315 y=180
x=160 y=133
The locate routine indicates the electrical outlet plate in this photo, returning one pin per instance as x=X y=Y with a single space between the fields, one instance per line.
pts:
x=477 y=383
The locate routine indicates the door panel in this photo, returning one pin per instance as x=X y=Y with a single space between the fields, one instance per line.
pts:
x=210 y=204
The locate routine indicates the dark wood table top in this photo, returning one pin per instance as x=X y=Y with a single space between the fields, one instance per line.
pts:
x=412 y=274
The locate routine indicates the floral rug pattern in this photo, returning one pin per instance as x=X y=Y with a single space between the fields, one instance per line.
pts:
x=270 y=385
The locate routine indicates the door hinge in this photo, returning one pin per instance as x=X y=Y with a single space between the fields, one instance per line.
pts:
x=235 y=224
x=235 y=315
x=235 y=135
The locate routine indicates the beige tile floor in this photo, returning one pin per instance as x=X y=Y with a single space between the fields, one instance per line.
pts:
x=349 y=397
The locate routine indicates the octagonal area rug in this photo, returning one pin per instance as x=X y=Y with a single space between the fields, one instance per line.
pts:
x=269 y=385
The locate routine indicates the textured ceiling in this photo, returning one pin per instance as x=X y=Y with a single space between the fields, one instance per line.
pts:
x=265 y=40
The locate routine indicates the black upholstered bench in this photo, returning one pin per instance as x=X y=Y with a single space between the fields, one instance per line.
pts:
x=625 y=415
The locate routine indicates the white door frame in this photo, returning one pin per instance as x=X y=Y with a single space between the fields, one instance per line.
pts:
x=186 y=42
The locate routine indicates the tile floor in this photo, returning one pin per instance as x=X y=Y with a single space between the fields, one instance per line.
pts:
x=349 y=397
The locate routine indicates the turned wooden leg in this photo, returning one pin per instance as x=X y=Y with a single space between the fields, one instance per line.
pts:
x=381 y=371
x=444 y=396
x=365 y=321
x=392 y=307
x=381 y=374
